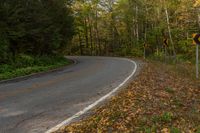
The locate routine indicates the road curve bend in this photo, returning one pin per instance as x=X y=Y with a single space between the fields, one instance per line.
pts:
x=37 y=104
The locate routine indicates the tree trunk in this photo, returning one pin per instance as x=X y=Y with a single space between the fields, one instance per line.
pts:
x=137 y=25
x=80 y=44
x=86 y=32
x=91 y=36
x=199 y=19
x=169 y=29
x=97 y=34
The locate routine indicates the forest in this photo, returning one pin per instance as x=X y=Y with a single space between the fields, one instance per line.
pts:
x=33 y=34
x=35 y=29
x=125 y=27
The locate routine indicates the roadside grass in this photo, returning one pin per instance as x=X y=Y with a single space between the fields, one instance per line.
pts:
x=26 y=65
x=160 y=99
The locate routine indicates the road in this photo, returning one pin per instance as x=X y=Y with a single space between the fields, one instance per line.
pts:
x=37 y=104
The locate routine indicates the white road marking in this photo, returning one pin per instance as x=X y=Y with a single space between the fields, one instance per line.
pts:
x=67 y=121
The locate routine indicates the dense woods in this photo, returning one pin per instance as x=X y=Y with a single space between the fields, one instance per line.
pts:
x=33 y=35
x=123 y=27
x=34 y=27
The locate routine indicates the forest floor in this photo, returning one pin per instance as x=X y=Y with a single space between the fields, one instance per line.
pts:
x=162 y=98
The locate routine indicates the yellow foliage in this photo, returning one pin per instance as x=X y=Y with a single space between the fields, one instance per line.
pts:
x=197 y=3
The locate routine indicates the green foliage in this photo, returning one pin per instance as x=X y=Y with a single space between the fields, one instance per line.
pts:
x=121 y=28
x=26 y=65
x=23 y=61
x=174 y=130
x=34 y=27
x=136 y=52
x=3 y=50
x=169 y=90
x=198 y=130
x=150 y=129
x=165 y=118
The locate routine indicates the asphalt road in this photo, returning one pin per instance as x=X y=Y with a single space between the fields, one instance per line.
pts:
x=39 y=103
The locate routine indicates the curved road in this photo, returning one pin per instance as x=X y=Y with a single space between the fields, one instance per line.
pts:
x=39 y=103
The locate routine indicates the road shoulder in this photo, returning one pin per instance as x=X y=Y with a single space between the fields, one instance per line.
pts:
x=158 y=100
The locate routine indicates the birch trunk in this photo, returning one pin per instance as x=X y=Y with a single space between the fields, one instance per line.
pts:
x=91 y=36
x=97 y=33
x=137 y=25
x=199 y=19
x=86 y=32
x=169 y=29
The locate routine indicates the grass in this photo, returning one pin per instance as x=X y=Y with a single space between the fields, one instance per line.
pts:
x=175 y=130
x=165 y=118
x=26 y=65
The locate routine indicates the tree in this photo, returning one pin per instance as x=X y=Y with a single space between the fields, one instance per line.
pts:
x=34 y=27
